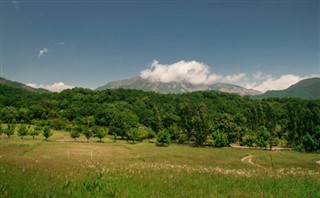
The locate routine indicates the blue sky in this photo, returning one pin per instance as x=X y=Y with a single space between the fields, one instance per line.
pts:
x=90 y=43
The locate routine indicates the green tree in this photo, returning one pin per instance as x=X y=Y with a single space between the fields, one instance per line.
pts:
x=36 y=131
x=25 y=115
x=47 y=132
x=123 y=122
x=186 y=112
x=316 y=135
x=150 y=133
x=1 y=129
x=182 y=139
x=249 y=138
x=220 y=139
x=226 y=124
x=74 y=134
x=163 y=138
x=87 y=132
x=200 y=124
x=137 y=134
x=156 y=123
x=174 y=131
x=263 y=137
x=90 y=121
x=9 y=114
x=99 y=132
x=76 y=131
x=309 y=143
x=10 y=130
x=23 y=131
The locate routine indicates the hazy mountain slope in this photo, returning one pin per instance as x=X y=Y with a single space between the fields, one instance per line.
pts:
x=175 y=87
x=305 y=89
x=233 y=89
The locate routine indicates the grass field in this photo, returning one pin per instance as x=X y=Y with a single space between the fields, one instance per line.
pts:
x=64 y=168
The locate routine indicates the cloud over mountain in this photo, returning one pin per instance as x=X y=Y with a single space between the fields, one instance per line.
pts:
x=55 y=87
x=282 y=82
x=195 y=72
x=190 y=72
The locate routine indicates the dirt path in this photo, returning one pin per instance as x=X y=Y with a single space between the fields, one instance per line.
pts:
x=248 y=159
x=256 y=148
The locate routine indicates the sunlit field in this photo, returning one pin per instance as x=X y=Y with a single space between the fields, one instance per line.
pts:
x=62 y=167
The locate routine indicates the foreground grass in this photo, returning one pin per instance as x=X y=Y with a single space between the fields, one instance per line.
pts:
x=63 y=168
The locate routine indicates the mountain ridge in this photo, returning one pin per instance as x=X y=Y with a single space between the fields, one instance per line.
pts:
x=20 y=86
x=175 y=87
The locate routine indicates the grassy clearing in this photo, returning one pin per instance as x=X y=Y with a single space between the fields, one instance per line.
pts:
x=63 y=168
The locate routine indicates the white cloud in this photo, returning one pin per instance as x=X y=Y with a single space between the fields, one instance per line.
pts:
x=234 y=78
x=55 y=87
x=189 y=72
x=282 y=82
x=182 y=71
x=42 y=52
x=257 y=75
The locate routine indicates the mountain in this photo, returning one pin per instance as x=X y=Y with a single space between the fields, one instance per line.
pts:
x=175 y=87
x=229 y=88
x=305 y=89
x=7 y=85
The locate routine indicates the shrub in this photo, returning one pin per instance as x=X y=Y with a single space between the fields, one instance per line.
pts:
x=163 y=138
x=220 y=139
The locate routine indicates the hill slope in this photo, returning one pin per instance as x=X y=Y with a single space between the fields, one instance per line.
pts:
x=10 y=86
x=305 y=89
x=175 y=87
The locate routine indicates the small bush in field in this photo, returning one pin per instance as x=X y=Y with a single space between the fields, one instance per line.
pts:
x=47 y=132
x=163 y=138
x=10 y=130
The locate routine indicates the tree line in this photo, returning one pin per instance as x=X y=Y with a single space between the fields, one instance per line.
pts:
x=199 y=118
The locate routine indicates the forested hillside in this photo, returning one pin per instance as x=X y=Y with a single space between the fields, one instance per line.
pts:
x=198 y=118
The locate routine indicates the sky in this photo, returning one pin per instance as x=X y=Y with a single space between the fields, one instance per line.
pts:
x=253 y=43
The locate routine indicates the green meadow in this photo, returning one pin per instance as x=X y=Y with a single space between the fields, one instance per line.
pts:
x=62 y=167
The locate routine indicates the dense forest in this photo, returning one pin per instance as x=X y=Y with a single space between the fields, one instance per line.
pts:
x=198 y=119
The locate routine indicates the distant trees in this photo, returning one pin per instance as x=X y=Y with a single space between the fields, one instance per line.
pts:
x=198 y=118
